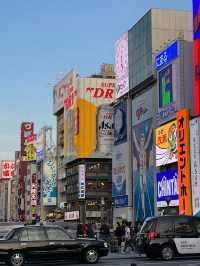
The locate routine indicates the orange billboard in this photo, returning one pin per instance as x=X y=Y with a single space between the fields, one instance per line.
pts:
x=184 y=185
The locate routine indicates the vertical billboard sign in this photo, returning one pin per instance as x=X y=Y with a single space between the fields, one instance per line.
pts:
x=39 y=145
x=27 y=129
x=120 y=156
x=167 y=82
x=196 y=54
x=185 y=195
x=81 y=174
x=195 y=164
x=33 y=194
x=30 y=148
x=61 y=91
x=7 y=169
x=121 y=66
x=166 y=144
x=120 y=122
x=105 y=129
x=143 y=154
x=167 y=188
x=49 y=183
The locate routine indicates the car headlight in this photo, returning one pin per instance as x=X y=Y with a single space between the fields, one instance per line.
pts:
x=105 y=245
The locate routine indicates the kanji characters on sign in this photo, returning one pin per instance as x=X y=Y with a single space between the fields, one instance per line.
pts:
x=7 y=169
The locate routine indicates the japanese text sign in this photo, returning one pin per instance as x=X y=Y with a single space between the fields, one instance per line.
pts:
x=7 y=169
x=185 y=202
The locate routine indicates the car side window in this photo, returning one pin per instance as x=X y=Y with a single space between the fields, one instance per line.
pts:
x=24 y=235
x=33 y=234
x=56 y=234
x=36 y=234
x=164 y=227
x=196 y=223
x=183 y=226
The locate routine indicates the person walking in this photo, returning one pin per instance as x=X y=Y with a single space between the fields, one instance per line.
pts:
x=119 y=234
x=128 y=238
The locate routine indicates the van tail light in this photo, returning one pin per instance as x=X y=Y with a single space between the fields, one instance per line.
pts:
x=152 y=233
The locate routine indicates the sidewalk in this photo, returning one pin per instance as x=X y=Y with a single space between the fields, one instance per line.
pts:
x=119 y=255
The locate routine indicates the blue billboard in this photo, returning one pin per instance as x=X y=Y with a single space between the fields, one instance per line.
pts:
x=120 y=123
x=196 y=19
x=166 y=56
x=167 y=188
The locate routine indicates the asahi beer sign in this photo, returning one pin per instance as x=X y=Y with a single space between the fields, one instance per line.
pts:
x=105 y=129
x=195 y=164
x=167 y=188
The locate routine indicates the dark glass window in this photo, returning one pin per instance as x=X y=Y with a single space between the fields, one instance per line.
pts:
x=164 y=227
x=182 y=225
x=56 y=234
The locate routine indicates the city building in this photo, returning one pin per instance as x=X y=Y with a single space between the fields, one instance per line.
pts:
x=156 y=30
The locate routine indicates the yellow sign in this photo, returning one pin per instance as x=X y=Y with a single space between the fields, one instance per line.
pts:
x=166 y=144
x=30 y=152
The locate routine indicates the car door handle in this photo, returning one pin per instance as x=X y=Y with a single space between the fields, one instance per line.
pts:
x=51 y=243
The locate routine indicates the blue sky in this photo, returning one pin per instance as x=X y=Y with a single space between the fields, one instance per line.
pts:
x=41 y=40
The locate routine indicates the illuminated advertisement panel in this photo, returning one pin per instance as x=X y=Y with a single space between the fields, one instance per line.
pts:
x=7 y=169
x=27 y=129
x=62 y=90
x=88 y=120
x=195 y=164
x=121 y=66
x=81 y=175
x=167 y=188
x=185 y=195
x=166 y=144
x=196 y=55
x=143 y=154
x=49 y=183
x=30 y=148
x=120 y=122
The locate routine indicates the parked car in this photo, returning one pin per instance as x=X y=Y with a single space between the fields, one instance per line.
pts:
x=28 y=243
x=169 y=236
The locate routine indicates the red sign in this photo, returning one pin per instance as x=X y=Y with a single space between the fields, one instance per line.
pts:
x=33 y=191
x=7 y=169
x=105 y=91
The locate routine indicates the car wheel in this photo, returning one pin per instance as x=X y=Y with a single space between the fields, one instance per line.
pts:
x=91 y=256
x=167 y=252
x=16 y=259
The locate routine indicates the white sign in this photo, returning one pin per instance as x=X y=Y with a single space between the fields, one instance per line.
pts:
x=105 y=129
x=62 y=90
x=195 y=164
x=81 y=181
x=69 y=216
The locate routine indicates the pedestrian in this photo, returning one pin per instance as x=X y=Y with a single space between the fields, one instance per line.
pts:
x=105 y=232
x=79 y=231
x=119 y=233
x=90 y=231
x=128 y=237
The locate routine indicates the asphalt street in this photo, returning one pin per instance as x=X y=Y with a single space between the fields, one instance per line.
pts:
x=127 y=262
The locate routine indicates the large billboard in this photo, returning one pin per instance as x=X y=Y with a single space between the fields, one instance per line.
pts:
x=167 y=188
x=88 y=122
x=62 y=90
x=27 y=129
x=49 y=194
x=195 y=164
x=185 y=196
x=120 y=122
x=120 y=169
x=121 y=66
x=168 y=82
x=166 y=144
x=30 y=148
x=7 y=169
x=196 y=19
x=143 y=156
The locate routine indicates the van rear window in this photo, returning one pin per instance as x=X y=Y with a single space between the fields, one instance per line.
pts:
x=146 y=227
